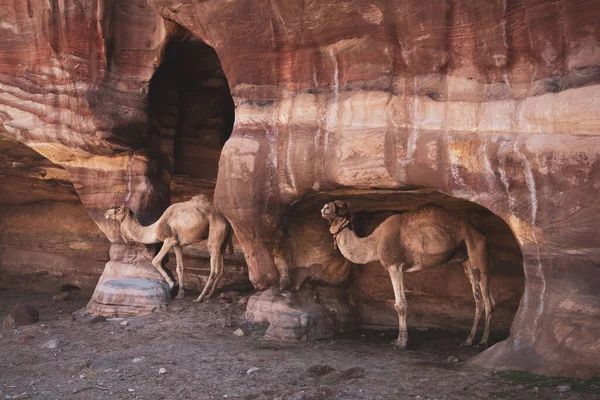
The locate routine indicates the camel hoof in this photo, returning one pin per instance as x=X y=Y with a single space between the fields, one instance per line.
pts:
x=179 y=296
x=285 y=285
x=198 y=300
x=466 y=343
x=399 y=345
x=482 y=345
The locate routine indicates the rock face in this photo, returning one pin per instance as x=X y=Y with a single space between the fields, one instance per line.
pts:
x=494 y=103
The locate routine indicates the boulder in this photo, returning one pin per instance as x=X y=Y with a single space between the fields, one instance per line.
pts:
x=21 y=314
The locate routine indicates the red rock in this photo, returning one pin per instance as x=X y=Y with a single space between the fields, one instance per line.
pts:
x=494 y=103
x=24 y=338
x=21 y=314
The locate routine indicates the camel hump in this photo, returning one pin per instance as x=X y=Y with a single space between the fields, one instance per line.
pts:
x=431 y=206
x=202 y=200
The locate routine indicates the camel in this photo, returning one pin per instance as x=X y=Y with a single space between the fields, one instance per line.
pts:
x=411 y=242
x=180 y=225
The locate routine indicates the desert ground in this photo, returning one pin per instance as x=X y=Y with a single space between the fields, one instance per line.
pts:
x=190 y=351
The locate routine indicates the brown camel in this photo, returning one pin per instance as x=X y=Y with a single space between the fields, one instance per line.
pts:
x=411 y=242
x=180 y=225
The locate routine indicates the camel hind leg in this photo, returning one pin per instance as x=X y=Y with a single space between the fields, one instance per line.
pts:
x=478 y=258
x=400 y=304
x=217 y=244
x=477 y=296
x=179 y=259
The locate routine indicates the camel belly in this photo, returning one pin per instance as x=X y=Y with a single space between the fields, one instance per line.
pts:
x=429 y=246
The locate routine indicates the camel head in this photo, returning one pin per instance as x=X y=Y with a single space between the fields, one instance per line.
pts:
x=118 y=214
x=335 y=209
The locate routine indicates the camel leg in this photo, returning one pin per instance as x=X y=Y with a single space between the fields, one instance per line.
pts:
x=478 y=256
x=217 y=238
x=179 y=258
x=477 y=296
x=283 y=269
x=219 y=270
x=400 y=305
x=156 y=262
x=489 y=304
x=209 y=281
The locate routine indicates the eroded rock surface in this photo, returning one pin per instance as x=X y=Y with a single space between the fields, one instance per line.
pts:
x=491 y=102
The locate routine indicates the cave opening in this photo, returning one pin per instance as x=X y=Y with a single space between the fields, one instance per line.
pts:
x=191 y=113
x=439 y=297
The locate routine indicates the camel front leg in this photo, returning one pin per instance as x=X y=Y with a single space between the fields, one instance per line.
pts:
x=284 y=272
x=179 y=259
x=477 y=296
x=156 y=262
x=400 y=304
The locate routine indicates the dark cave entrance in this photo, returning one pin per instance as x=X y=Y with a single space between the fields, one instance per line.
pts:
x=191 y=113
x=439 y=297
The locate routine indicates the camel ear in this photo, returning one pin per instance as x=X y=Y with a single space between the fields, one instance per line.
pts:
x=340 y=207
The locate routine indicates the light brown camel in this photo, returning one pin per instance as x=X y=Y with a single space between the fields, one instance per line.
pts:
x=414 y=241
x=180 y=225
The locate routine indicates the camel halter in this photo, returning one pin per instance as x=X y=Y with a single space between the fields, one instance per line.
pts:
x=346 y=224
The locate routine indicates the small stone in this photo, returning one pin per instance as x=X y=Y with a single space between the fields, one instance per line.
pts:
x=105 y=363
x=452 y=359
x=131 y=390
x=320 y=370
x=51 y=344
x=96 y=319
x=63 y=296
x=124 y=323
x=239 y=333
x=66 y=318
x=21 y=314
x=353 y=373
x=138 y=359
x=563 y=388
x=19 y=396
x=252 y=370
x=177 y=309
x=43 y=326
x=162 y=371
x=23 y=338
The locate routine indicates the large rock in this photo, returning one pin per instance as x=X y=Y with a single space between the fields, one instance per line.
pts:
x=21 y=314
x=131 y=296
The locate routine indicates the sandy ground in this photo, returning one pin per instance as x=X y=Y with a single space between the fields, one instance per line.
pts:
x=194 y=347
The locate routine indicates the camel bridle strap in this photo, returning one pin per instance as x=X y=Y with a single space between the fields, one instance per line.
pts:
x=346 y=224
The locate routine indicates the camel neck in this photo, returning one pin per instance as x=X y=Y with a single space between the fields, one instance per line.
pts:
x=133 y=230
x=355 y=249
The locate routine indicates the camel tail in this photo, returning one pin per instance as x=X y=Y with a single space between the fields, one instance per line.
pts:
x=230 y=241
